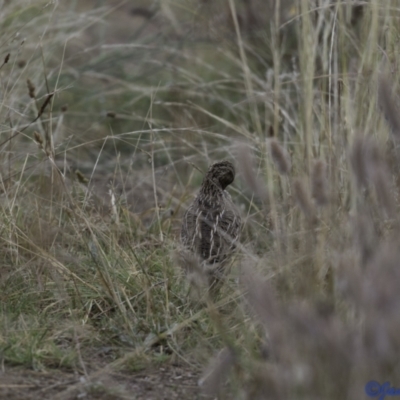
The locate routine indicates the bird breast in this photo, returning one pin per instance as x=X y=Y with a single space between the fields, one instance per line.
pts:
x=211 y=228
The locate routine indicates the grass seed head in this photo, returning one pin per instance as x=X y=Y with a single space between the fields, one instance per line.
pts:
x=364 y=157
x=389 y=105
x=217 y=372
x=38 y=138
x=303 y=200
x=260 y=295
x=364 y=237
x=319 y=183
x=246 y=163
x=31 y=89
x=280 y=157
x=383 y=189
x=45 y=103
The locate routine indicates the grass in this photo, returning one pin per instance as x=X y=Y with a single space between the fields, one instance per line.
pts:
x=103 y=149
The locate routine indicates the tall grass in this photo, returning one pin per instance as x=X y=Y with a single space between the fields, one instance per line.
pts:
x=105 y=134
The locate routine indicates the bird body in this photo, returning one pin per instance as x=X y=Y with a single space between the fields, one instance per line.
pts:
x=211 y=225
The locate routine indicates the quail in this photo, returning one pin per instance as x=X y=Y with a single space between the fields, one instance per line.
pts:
x=211 y=225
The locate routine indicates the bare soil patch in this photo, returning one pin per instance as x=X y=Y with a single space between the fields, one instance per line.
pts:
x=167 y=382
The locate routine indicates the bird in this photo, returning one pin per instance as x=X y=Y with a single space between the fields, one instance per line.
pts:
x=211 y=225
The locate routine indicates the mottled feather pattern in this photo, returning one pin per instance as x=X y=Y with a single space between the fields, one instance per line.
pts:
x=211 y=225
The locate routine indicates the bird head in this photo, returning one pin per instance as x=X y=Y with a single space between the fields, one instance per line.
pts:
x=221 y=173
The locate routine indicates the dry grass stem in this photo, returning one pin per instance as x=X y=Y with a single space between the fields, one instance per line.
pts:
x=319 y=183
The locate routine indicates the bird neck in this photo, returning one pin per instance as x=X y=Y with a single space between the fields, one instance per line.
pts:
x=210 y=193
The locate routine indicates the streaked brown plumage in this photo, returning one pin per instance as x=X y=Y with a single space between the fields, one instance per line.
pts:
x=211 y=225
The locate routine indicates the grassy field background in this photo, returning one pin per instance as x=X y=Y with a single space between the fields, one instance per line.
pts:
x=111 y=113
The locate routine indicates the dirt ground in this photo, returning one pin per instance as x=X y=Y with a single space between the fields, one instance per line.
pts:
x=168 y=382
